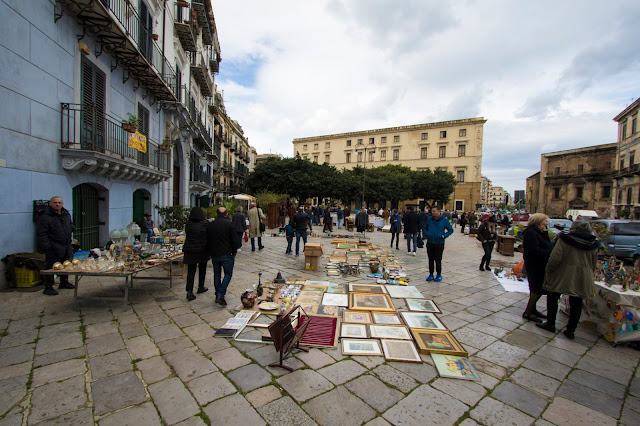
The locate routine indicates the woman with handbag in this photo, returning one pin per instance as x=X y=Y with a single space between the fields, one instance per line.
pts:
x=256 y=227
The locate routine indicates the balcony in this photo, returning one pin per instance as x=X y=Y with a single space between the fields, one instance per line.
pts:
x=93 y=142
x=632 y=170
x=227 y=142
x=234 y=147
x=213 y=108
x=183 y=27
x=199 y=179
x=204 y=20
x=214 y=59
x=119 y=30
x=199 y=73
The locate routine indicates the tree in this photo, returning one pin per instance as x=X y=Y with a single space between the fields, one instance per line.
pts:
x=434 y=187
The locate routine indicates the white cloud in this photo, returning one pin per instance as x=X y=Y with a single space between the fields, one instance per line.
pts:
x=546 y=75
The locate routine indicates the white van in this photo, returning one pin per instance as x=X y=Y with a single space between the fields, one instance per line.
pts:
x=586 y=214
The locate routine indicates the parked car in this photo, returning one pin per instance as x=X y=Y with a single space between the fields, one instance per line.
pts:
x=520 y=219
x=624 y=236
x=558 y=225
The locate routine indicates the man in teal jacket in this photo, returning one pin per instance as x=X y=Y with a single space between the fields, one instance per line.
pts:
x=436 y=229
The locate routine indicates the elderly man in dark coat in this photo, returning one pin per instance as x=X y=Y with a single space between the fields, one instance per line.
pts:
x=53 y=235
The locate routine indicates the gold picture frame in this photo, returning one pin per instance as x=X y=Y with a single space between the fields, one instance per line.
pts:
x=356 y=317
x=367 y=288
x=437 y=342
x=371 y=302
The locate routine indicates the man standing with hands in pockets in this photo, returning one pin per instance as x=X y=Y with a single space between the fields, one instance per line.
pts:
x=436 y=229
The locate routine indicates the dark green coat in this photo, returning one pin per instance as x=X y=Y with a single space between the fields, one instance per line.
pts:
x=571 y=265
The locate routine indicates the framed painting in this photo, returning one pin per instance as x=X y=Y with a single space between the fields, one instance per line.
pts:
x=368 y=347
x=356 y=317
x=334 y=311
x=398 y=332
x=404 y=292
x=422 y=305
x=400 y=350
x=309 y=298
x=455 y=367
x=337 y=288
x=334 y=299
x=437 y=342
x=354 y=331
x=370 y=302
x=314 y=287
x=422 y=320
x=386 y=318
x=367 y=288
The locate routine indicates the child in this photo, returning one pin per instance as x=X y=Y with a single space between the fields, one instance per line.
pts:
x=290 y=232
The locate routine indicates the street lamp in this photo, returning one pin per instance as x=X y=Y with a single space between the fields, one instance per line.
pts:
x=361 y=147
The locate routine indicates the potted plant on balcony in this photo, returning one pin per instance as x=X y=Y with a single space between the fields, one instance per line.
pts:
x=131 y=123
x=183 y=3
x=155 y=36
x=166 y=145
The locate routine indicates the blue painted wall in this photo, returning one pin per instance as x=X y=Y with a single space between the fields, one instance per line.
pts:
x=39 y=69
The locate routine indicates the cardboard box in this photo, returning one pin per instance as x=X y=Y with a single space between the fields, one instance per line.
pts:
x=312 y=253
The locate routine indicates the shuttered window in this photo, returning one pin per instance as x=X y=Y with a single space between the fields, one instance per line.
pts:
x=143 y=127
x=92 y=96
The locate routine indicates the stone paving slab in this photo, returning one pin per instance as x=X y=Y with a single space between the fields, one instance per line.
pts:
x=144 y=414
x=69 y=394
x=57 y=372
x=190 y=364
x=520 y=398
x=285 y=411
x=341 y=372
x=565 y=412
x=304 y=384
x=110 y=364
x=426 y=405
x=210 y=387
x=173 y=400
x=339 y=407
x=374 y=392
x=492 y=412
x=249 y=377
x=263 y=396
x=395 y=378
x=591 y=398
x=80 y=417
x=535 y=382
x=116 y=392
x=233 y=410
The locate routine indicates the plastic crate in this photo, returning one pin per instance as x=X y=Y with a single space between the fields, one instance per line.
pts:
x=27 y=277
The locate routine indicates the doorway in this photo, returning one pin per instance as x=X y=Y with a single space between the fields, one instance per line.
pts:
x=141 y=204
x=86 y=217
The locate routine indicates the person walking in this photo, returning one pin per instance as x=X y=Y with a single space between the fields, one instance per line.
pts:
x=385 y=216
x=454 y=219
x=436 y=230
x=463 y=221
x=240 y=225
x=340 y=214
x=222 y=244
x=473 y=219
x=309 y=213
x=53 y=236
x=289 y=233
x=569 y=271
x=328 y=221
x=537 y=249
x=196 y=254
x=300 y=223
x=411 y=228
x=255 y=217
x=396 y=227
x=488 y=239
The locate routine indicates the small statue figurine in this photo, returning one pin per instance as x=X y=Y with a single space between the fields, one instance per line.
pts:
x=259 y=289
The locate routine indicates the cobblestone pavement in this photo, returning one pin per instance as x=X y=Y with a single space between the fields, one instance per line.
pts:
x=158 y=363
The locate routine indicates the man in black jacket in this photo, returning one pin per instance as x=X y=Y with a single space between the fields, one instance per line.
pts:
x=300 y=222
x=53 y=234
x=222 y=242
x=411 y=228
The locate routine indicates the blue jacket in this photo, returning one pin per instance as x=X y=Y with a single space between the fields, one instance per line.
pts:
x=437 y=231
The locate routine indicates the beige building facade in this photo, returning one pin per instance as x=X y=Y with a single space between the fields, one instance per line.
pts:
x=454 y=146
x=580 y=179
x=627 y=179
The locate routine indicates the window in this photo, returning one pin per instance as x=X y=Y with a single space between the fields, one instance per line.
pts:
x=462 y=150
x=621 y=164
x=631 y=158
x=371 y=155
x=396 y=139
x=460 y=176
x=371 y=141
x=396 y=154
x=606 y=192
x=580 y=168
x=326 y=158
x=348 y=142
x=624 y=130
x=556 y=171
x=443 y=134
x=305 y=157
x=634 y=124
x=607 y=165
x=304 y=147
x=423 y=152
x=620 y=196
x=315 y=146
x=579 y=192
x=383 y=139
x=383 y=155
x=348 y=157
x=327 y=145
x=359 y=141
x=462 y=132
x=93 y=94
x=459 y=205
x=629 y=193
x=424 y=136
x=359 y=156
x=556 y=193
x=442 y=151
x=315 y=158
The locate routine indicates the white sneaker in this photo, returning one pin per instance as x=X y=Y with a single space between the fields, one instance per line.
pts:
x=239 y=250
x=414 y=253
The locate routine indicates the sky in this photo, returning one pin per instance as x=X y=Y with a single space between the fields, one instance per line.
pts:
x=546 y=75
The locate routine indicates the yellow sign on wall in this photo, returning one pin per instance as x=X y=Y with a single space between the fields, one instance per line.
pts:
x=138 y=141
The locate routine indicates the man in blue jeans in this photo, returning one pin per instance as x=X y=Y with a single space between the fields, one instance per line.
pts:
x=411 y=228
x=300 y=222
x=222 y=243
